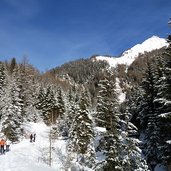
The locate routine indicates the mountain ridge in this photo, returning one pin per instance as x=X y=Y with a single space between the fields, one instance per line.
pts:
x=128 y=56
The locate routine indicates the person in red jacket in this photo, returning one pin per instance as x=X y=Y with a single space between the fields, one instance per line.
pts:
x=2 y=144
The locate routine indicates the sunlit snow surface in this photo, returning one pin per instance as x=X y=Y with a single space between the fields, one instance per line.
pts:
x=121 y=95
x=130 y=55
x=26 y=156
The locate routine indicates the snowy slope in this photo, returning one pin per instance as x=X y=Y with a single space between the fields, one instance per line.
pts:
x=121 y=95
x=26 y=156
x=130 y=55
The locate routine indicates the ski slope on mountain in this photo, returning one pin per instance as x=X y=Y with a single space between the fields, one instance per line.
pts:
x=130 y=55
x=26 y=156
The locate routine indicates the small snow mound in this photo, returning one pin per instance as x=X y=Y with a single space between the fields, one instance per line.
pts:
x=169 y=141
x=100 y=129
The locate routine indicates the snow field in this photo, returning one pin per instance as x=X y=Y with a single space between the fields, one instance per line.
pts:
x=26 y=156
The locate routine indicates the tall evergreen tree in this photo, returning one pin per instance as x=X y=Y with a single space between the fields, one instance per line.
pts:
x=12 y=110
x=25 y=77
x=3 y=83
x=59 y=114
x=2 y=78
x=150 y=119
x=106 y=102
x=131 y=154
x=60 y=105
x=81 y=133
x=71 y=107
x=13 y=64
x=108 y=117
x=163 y=107
x=46 y=103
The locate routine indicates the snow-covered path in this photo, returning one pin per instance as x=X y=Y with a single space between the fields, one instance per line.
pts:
x=26 y=156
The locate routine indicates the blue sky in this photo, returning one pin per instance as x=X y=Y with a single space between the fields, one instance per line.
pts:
x=52 y=32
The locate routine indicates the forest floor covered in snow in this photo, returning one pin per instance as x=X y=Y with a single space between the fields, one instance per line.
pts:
x=35 y=156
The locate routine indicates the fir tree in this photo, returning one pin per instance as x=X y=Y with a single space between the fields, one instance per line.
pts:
x=163 y=107
x=3 y=83
x=107 y=102
x=132 y=159
x=149 y=119
x=60 y=105
x=71 y=107
x=46 y=103
x=26 y=79
x=82 y=133
x=12 y=111
x=108 y=117
x=13 y=64
x=2 y=79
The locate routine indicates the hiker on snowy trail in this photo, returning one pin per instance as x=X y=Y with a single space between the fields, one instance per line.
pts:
x=31 y=137
x=34 y=137
x=2 y=144
x=7 y=146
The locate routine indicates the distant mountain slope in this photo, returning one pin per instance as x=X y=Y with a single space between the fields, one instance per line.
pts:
x=80 y=70
x=130 y=55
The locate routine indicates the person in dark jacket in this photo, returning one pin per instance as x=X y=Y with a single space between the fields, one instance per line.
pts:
x=7 y=146
x=31 y=137
x=34 y=137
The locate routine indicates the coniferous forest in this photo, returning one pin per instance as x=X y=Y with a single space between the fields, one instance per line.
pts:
x=81 y=100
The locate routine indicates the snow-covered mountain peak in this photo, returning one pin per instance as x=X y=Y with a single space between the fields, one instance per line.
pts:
x=147 y=46
x=130 y=55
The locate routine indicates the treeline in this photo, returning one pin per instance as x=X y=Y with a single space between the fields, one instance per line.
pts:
x=83 y=72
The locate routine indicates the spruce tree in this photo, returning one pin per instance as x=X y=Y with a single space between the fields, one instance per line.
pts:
x=2 y=79
x=70 y=108
x=60 y=105
x=81 y=133
x=46 y=103
x=59 y=115
x=132 y=154
x=108 y=117
x=28 y=84
x=107 y=103
x=3 y=84
x=150 y=119
x=163 y=107
x=12 y=110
